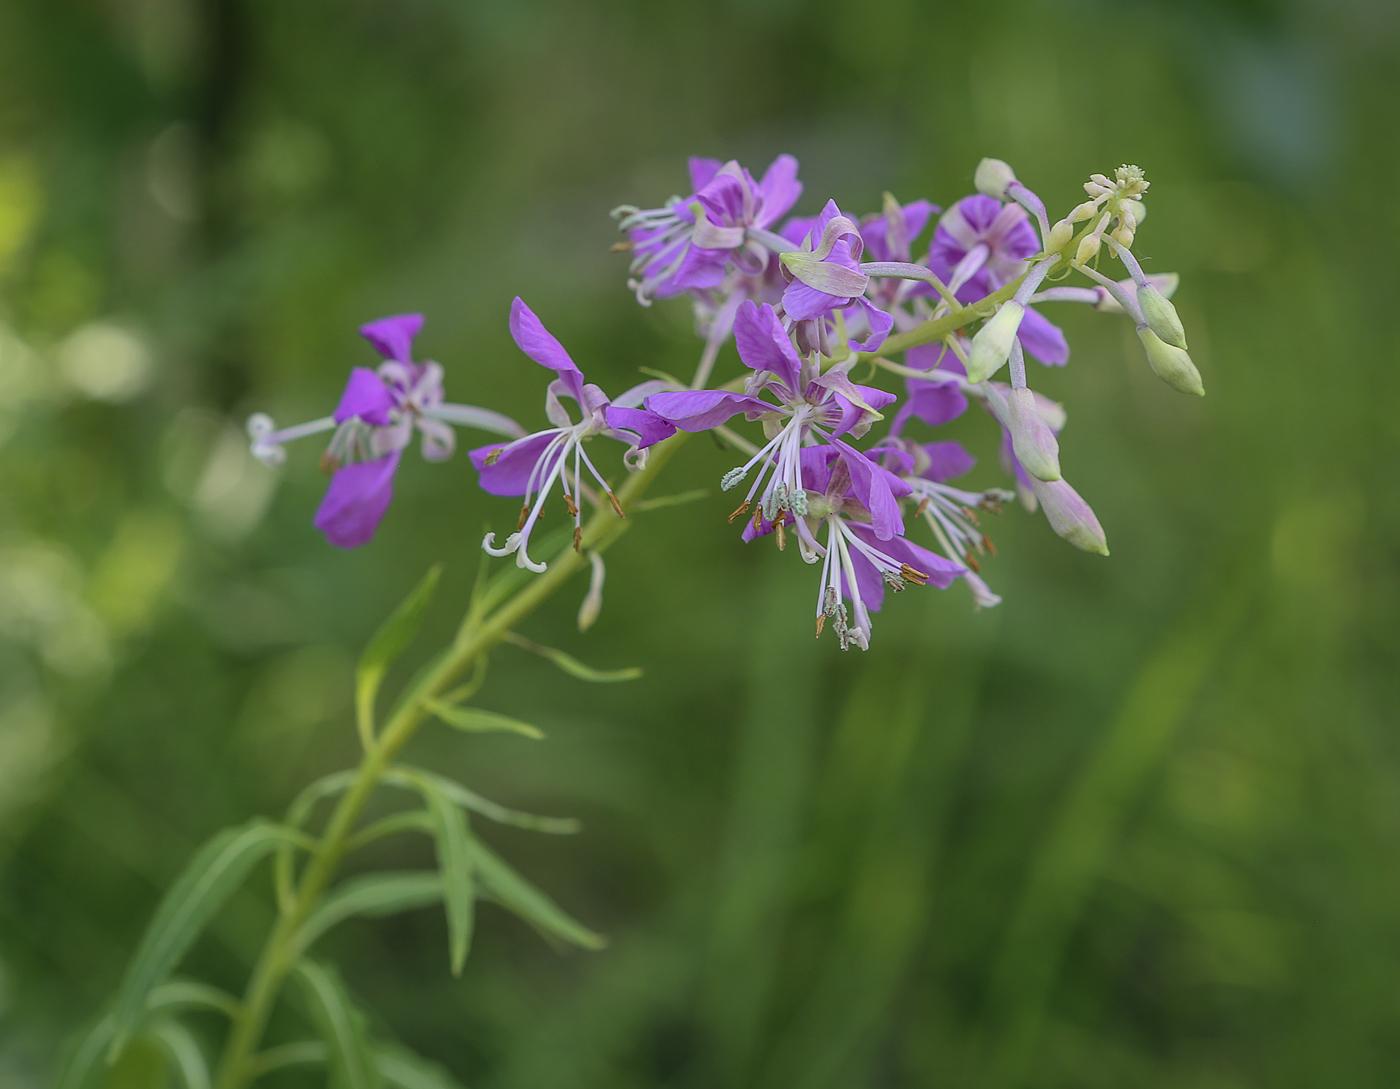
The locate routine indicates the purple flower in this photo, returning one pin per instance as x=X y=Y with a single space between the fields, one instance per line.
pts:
x=890 y=234
x=950 y=513
x=858 y=561
x=825 y=277
x=532 y=465
x=980 y=245
x=809 y=404
x=687 y=244
x=373 y=423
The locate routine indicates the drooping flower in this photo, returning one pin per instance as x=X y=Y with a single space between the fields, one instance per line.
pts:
x=950 y=513
x=378 y=412
x=532 y=465
x=809 y=405
x=859 y=562
x=980 y=245
x=688 y=243
x=826 y=279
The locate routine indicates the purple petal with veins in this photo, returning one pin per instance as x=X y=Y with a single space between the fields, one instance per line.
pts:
x=702 y=409
x=509 y=472
x=540 y=345
x=650 y=427
x=764 y=345
x=365 y=396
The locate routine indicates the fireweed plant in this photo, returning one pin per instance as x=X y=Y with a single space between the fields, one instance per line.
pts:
x=835 y=474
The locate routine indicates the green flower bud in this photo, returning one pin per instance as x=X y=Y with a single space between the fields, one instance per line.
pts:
x=1033 y=442
x=1171 y=364
x=992 y=344
x=992 y=178
x=1060 y=234
x=1160 y=316
x=1071 y=517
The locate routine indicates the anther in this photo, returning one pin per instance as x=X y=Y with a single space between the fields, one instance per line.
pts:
x=821 y=623
x=923 y=505
x=616 y=506
x=524 y=516
x=494 y=456
x=570 y=505
x=578 y=536
x=913 y=574
x=781 y=533
x=620 y=247
x=987 y=544
x=329 y=464
x=740 y=509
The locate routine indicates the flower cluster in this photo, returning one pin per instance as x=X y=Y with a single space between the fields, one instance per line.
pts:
x=806 y=310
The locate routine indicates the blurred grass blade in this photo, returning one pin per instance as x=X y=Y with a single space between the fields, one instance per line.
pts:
x=218 y=869
x=183 y=1051
x=474 y=720
x=470 y=799
x=406 y=1070
x=184 y=992
x=572 y=665
x=294 y=1054
x=371 y=895
x=514 y=892
x=454 y=864
x=388 y=643
x=340 y=1025
x=84 y=1054
x=672 y=500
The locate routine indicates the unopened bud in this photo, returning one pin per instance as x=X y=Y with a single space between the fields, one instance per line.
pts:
x=1084 y=211
x=1124 y=236
x=992 y=178
x=1171 y=364
x=1071 y=517
x=1160 y=316
x=992 y=344
x=1033 y=442
x=1060 y=234
x=1137 y=210
x=1089 y=247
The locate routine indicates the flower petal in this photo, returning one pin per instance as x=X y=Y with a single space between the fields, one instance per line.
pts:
x=648 y=425
x=540 y=345
x=392 y=337
x=764 y=345
x=702 y=409
x=365 y=396
x=1042 y=340
x=946 y=460
x=702 y=172
x=356 y=500
x=508 y=472
x=778 y=191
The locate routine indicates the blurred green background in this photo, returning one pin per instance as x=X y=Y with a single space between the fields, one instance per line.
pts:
x=1139 y=826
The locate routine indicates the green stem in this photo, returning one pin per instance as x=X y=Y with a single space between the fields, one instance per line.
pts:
x=238 y=1065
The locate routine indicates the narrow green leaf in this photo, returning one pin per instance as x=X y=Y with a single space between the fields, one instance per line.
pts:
x=572 y=665
x=454 y=864
x=183 y=1051
x=389 y=642
x=477 y=721
x=514 y=892
x=470 y=799
x=297 y=813
x=412 y=820
x=372 y=895
x=406 y=1070
x=340 y=1025
x=293 y=1054
x=84 y=1053
x=184 y=992
x=209 y=879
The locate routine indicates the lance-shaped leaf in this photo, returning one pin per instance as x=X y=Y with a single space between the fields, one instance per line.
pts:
x=475 y=720
x=209 y=879
x=512 y=891
x=469 y=799
x=183 y=1052
x=340 y=1025
x=297 y=813
x=573 y=666
x=293 y=1054
x=454 y=864
x=85 y=1051
x=389 y=642
x=372 y=895
x=405 y=1069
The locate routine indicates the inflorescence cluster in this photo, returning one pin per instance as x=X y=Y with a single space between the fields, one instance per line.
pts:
x=807 y=301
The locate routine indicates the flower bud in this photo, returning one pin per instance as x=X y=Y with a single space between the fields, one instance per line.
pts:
x=593 y=600
x=1160 y=316
x=1060 y=234
x=1033 y=442
x=992 y=344
x=1070 y=516
x=992 y=178
x=1089 y=247
x=1171 y=364
x=1084 y=211
x=1124 y=236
